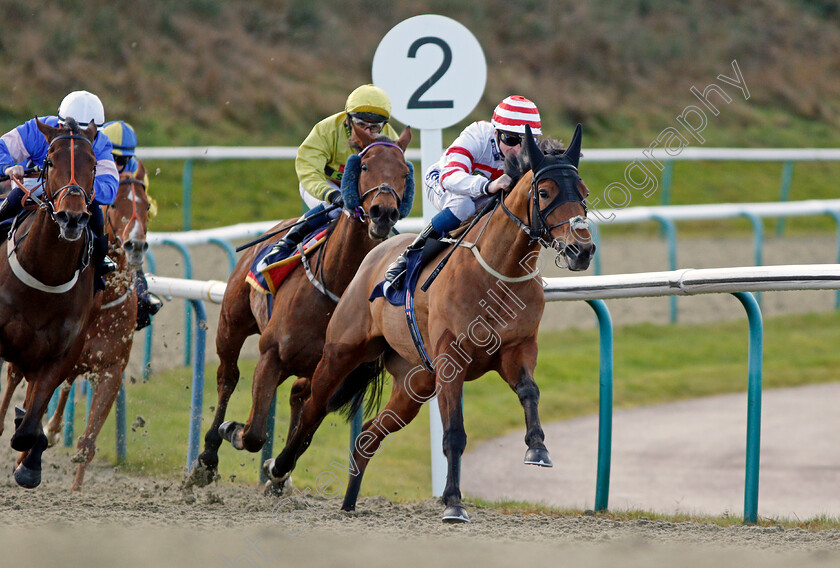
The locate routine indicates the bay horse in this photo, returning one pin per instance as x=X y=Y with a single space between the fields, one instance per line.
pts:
x=292 y=335
x=46 y=285
x=110 y=335
x=481 y=314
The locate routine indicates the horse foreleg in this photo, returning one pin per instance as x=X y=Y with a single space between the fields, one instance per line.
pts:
x=105 y=391
x=402 y=408
x=229 y=341
x=268 y=375
x=517 y=369
x=454 y=443
x=13 y=379
x=56 y=421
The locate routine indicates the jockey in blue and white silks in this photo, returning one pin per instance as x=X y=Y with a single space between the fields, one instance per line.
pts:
x=27 y=146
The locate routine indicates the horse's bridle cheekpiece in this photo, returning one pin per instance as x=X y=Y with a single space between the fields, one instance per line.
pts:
x=562 y=170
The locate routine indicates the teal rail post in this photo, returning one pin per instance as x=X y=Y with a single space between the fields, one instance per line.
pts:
x=186 y=193
x=753 y=406
x=185 y=254
x=229 y=250
x=197 y=383
x=69 y=417
x=670 y=229
x=268 y=447
x=784 y=193
x=758 y=242
x=147 y=345
x=595 y=231
x=667 y=180
x=120 y=419
x=836 y=216
x=602 y=486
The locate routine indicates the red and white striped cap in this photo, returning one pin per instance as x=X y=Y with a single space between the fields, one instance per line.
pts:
x=514 y=113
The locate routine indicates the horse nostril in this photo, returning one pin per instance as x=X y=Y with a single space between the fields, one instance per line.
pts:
x=375 y=211
x=393 y=215
x=62 y=217
x=145 y=246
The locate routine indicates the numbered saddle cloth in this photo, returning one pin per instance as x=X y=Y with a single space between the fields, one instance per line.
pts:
x=269 y=270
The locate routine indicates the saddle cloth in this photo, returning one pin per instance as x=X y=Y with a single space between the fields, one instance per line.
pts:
x=268 y=271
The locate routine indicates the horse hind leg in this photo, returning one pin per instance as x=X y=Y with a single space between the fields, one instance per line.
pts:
x=56 y=421
x=401 y=409
x=338 y=361
x=28 y=468
x=301 y=389
x=105 y=391
x=13 y=379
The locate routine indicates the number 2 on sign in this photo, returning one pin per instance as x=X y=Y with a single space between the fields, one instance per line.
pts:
x=414 y=101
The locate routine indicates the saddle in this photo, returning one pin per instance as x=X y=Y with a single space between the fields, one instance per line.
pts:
x=268 y=271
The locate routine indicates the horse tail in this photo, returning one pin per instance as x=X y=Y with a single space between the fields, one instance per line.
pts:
x=367 y=377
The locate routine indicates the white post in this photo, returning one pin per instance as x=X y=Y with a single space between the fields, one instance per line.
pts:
x=431 y=147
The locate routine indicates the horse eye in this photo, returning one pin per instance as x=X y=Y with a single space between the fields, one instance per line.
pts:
x=364 y=167
x=543 y=194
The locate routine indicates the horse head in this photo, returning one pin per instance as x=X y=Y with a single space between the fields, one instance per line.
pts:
x=378 y=183
x=69 y=169
x=127 y=220
x=556 y=208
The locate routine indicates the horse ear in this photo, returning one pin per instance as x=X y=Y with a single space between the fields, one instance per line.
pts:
x=573 y=151
x=532 y=150
x=90 y=131
x=361 y=135
x=404 y=139
x=48 y=131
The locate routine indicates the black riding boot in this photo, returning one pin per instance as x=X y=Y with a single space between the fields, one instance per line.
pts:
x=396 y=272
x=148 y=304
x=102 y=264
x=10 y=207
x=296 y=234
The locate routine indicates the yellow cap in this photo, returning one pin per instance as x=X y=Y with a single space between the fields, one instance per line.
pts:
x=369 y=98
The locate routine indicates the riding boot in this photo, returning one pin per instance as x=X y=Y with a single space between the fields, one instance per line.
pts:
x=148 y=304
x=102 y=264
x=396 y=272
x=10 y=207
x=296 y=234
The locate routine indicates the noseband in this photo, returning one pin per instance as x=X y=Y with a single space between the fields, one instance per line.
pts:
x=360 y=213
x=537 y=227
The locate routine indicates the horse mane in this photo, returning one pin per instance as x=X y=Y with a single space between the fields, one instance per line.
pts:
x=518 y=165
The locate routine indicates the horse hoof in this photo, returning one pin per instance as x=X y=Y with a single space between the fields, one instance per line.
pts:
x=275 y=485
x=27 y=478
x=228 y=432
x=202 y=476
x=53 y=438
x=455 y=514
x=538 y=456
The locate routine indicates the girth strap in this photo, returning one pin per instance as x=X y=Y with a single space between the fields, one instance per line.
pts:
x=309 y=274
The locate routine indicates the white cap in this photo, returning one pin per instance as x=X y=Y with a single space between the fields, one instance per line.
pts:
x=83 y=107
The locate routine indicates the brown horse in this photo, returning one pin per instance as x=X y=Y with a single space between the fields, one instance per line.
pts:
x=46 y=286
x=481 y=314
x=110 y=335
x=292 y=335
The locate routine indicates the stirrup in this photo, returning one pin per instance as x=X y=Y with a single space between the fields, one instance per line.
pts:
x=396 y=272
x=107 y=266
x=154 y=303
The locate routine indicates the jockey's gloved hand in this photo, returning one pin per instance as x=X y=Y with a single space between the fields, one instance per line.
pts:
x=335 y=198
x=15 y=171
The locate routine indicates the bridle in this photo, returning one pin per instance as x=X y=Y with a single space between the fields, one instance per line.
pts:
x=360 y=213
x=537 y=226
x=122 y=239
x=51 y=202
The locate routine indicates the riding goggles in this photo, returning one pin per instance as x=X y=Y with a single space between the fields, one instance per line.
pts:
x=510 y=139
x=372 y=127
